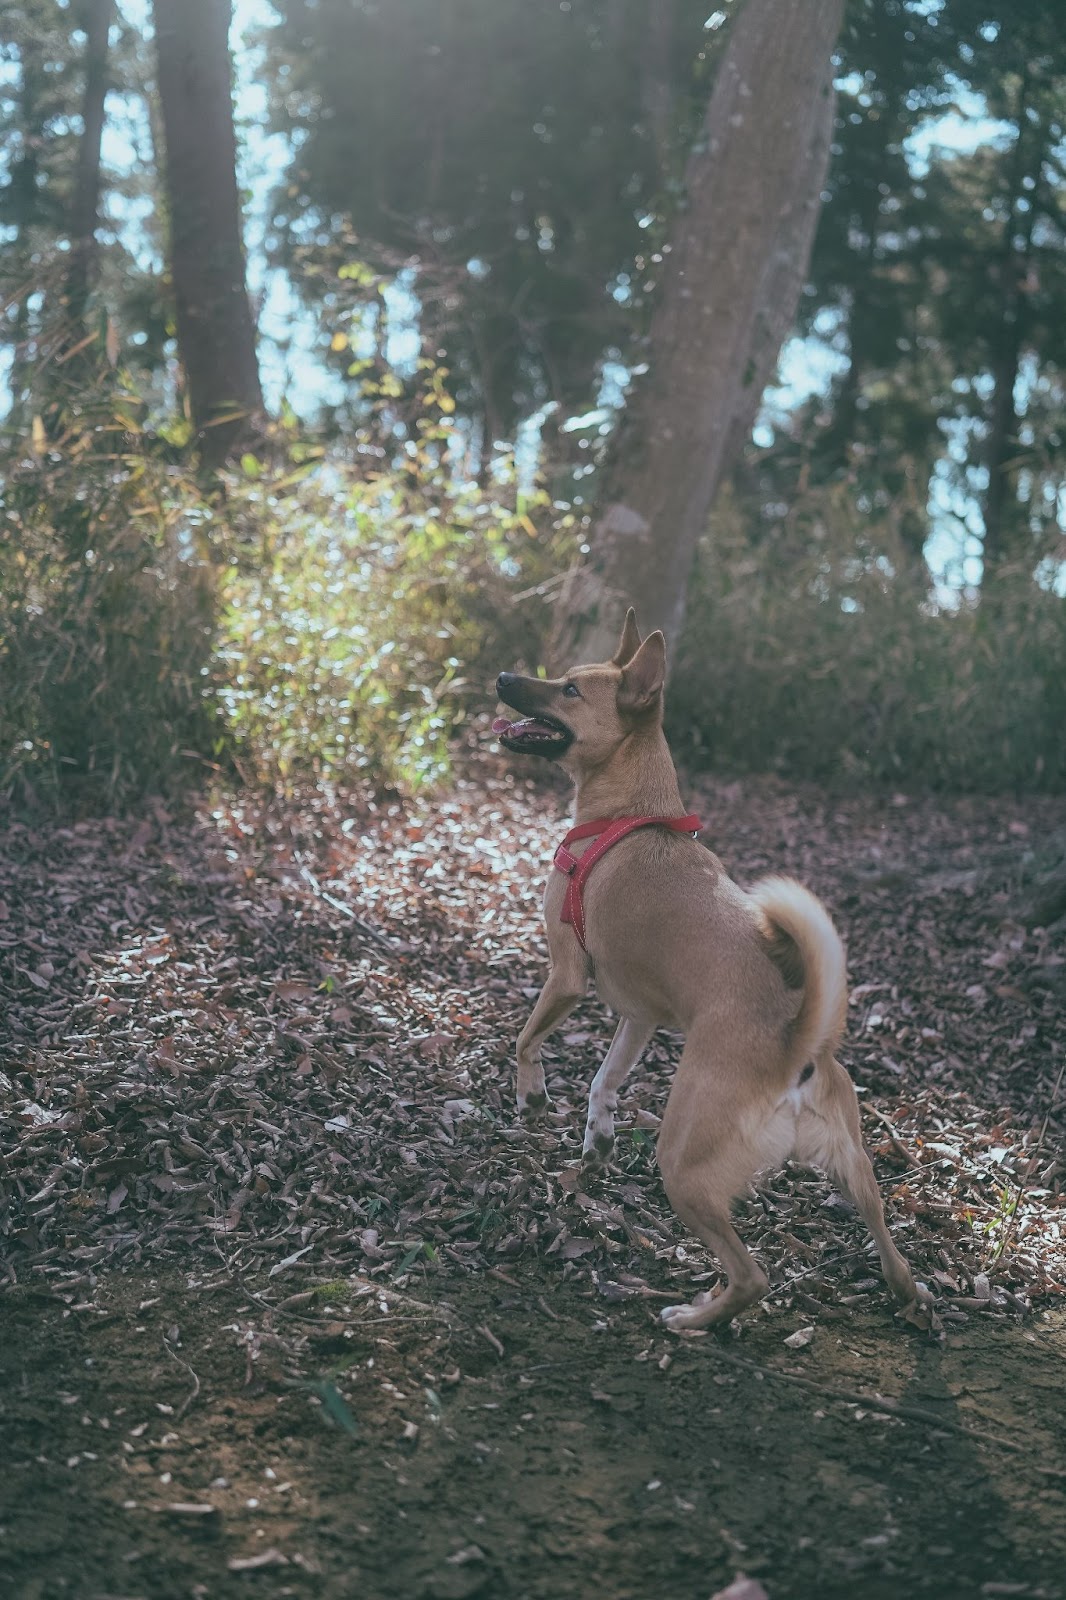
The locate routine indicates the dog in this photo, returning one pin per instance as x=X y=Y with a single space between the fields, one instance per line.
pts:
x=755 y=981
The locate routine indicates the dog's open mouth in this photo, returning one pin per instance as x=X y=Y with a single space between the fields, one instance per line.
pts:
x=540 y=735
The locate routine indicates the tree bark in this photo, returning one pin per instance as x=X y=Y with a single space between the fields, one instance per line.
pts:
x=656 y=83
x=17 y=278
x=85 y=203
x=1007 y=342
x=216 y=334
x=728 y=295
x=1002 y=432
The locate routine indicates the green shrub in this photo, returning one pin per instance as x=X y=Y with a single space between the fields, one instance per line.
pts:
x=299 y=619
x=361 y=617
x=106 y=614
x=308 y=618
x=813 y=652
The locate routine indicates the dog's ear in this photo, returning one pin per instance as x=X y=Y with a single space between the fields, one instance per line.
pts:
x=643 y=676
x=629 y=643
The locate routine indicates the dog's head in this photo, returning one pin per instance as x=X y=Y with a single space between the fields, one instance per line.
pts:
x=581 y=718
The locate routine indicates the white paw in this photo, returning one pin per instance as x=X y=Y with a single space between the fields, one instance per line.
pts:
x=676 y=1316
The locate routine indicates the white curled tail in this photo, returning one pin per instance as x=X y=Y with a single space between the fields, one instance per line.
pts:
x=792 y=910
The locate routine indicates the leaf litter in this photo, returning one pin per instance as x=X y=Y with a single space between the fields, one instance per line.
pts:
x=277 y=1036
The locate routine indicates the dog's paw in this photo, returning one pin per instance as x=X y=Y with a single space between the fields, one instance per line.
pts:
x=533 y=1108
x=698 y=1313
x=921 y=1313
x=678 y=1317
x=597 y=1152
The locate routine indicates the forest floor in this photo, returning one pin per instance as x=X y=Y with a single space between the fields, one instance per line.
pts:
x=292 y=1304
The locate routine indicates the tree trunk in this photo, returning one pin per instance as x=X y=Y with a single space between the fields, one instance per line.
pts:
x=728 y=295
x=85 y=203
x=1002 y=433
x=656 y=82
x=1007 y=342
x=18 y=279
x=216 y=335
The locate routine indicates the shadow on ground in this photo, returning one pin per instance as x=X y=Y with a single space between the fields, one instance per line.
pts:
x=168 y=1437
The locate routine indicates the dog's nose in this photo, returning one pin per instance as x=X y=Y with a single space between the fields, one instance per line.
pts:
x=505 y=681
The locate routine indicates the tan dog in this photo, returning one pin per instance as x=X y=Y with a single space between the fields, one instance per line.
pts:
x=756 y=981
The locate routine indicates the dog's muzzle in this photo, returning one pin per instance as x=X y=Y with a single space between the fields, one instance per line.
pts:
x=535 y=731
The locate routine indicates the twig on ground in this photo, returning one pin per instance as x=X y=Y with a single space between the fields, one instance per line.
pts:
x=365 y=928
x=362 y=1288
x=487 y=1333
x=194 y=1391
x=819 y=1266
x=504 y=1277
x=893 y=1408
x=1023 y=1182
x=894 y=1139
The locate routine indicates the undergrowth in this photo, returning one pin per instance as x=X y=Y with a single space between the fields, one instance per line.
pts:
x=360 y=619
x=811 y=650
x=308 y=615
x=298 y=616
x=107 y=603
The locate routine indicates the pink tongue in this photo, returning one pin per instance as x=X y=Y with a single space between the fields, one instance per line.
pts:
x=521 y=727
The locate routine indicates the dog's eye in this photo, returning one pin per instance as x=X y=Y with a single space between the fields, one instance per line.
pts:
x=573 y=691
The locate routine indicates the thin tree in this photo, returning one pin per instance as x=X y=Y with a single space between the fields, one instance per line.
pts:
x=85 y=201
x=216 y=334
x=1008 y=332
x=728 y=295
x=21 y=213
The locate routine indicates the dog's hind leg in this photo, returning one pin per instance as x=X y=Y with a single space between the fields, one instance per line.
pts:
x=566 y=985
x=628 y=1042
x=707 y=1160
x=829 y=1135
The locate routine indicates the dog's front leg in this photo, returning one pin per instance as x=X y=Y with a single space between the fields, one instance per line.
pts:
x=566 y=985
x=628 y=1042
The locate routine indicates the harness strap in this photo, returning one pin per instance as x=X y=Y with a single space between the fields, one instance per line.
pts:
x=606 y=831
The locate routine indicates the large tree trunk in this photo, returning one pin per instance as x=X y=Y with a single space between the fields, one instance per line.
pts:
x=85 y=203
x=216 y=335
x=727 y=298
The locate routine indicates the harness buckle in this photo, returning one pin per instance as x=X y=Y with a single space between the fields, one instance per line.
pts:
x=564 y=861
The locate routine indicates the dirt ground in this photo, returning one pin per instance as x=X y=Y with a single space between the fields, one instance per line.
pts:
x=595 y=1455
x=292 y=1306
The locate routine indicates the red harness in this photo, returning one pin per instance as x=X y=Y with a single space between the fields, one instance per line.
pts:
x=607 y=831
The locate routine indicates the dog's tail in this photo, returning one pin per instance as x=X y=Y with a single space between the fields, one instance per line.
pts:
x=808 y=951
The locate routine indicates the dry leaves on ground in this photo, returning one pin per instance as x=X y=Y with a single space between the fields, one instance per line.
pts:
x=278 y=1036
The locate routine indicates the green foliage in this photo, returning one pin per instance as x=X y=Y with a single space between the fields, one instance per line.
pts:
x=318 y=622
x=937 y=275
x=361 y=616
x=516 y=199
x=42 y=79
x=106 y=603
x=298 y=617
x=812 y=651
x=319 y=614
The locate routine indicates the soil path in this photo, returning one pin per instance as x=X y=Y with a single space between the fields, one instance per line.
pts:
x=594 y=1456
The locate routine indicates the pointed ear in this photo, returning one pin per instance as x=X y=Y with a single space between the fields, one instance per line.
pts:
x=629 y=643
x=643 y=677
